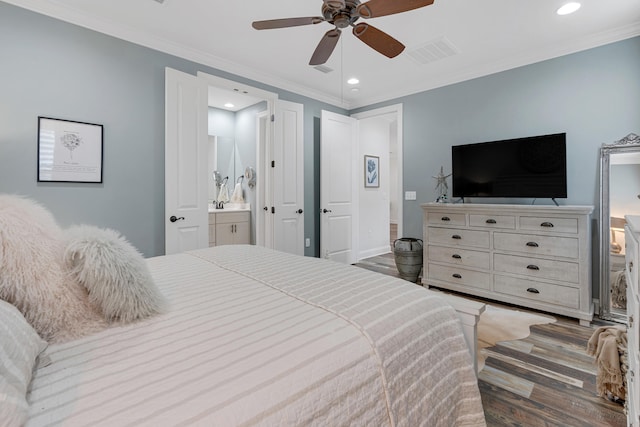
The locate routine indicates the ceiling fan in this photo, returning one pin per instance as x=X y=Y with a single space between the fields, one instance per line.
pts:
x=344 y=13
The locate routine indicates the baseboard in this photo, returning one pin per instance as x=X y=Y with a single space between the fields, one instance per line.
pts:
x=381 y=250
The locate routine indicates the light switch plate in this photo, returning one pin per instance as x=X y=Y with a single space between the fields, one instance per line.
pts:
x=410 y=195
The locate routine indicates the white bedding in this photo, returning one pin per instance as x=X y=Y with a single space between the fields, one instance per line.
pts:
x=259 y=337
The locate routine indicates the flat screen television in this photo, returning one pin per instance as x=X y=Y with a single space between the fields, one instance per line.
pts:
x=524 y=167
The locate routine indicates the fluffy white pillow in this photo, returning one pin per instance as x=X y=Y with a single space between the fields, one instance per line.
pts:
x=20 y=346
x=114 y=272
x=33 y=278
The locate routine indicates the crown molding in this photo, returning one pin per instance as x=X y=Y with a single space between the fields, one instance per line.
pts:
x=526 y=58
x=75 y=17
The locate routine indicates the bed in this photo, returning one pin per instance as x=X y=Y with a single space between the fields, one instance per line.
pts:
x=260 y=337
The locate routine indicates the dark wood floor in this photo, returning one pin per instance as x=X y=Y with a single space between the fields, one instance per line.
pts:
x=546 y=379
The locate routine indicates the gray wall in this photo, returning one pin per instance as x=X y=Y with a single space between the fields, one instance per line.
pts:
x=55 y=69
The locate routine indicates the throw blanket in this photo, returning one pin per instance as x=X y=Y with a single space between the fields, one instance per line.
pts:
x=604 y=344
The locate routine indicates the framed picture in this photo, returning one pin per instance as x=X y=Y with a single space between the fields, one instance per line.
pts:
x=371 y=171
x=69 y=151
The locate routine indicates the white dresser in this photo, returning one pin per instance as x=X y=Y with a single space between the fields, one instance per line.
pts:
x=632 y=241
x=528 y=255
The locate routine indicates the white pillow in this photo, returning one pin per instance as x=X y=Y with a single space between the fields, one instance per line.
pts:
x=20 y=346
x=32 y=277
x=114 y=272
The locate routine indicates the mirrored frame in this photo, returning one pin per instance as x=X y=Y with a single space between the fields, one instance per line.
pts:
x=628 y=144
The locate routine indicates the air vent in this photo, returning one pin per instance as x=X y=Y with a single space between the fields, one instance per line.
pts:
x=323 y=68
x=434 y=50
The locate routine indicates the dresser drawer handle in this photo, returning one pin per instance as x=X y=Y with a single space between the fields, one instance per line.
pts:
x=547 y=224
x=490 y=221
x=456 y=256
x=445 y=218
x=456 y=236
x=533 y=267
x=457 y=276
x=533 y=290
x=532 y=244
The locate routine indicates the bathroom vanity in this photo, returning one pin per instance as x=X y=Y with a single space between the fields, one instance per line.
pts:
x=229 y=226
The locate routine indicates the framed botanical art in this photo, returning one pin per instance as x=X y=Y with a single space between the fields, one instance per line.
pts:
x=371 y=171
x=69 y=151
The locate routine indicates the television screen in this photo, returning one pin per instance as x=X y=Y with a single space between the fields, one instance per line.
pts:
x=525 y=167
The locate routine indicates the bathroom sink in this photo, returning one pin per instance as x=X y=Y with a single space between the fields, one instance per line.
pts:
x=237 y=206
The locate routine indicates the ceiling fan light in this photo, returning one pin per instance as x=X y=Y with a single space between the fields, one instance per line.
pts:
x=568 y=8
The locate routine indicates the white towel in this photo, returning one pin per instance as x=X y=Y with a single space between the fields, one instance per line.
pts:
x=236 y=197
x=223 y=194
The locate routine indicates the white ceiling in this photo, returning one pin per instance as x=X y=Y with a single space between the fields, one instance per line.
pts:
x=486 y=37
x=220 y=98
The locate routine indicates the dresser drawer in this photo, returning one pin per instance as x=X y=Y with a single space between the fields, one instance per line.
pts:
x=443 y=218
x=458 y=256
x=232 y=217
x=547 y=293
x=458 y=237
x=556 y=225
x=568 y=247
x=540 y=268
x=493 y=221
x=460 y=276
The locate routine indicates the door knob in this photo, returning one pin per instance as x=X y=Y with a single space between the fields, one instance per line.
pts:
x=326 y=210
x=299 y=211
x=175 y=218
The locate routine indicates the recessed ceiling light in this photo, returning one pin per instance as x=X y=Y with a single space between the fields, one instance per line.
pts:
x=229 y=105
x=568 y=8
x=353 y=81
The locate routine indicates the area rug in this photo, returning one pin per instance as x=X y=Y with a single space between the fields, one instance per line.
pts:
x=499 y=324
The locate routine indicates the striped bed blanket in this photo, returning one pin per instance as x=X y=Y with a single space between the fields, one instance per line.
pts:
x=259 y=337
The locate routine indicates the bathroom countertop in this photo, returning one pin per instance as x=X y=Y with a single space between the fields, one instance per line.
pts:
x=229 y=209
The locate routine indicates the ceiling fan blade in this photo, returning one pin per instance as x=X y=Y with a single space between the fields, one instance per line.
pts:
x=286 y=22
x=325 y=47
x=378 y=40
x=375 y=8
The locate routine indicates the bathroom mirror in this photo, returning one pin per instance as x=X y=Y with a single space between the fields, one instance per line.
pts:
x=619 y=196
x=222 y=159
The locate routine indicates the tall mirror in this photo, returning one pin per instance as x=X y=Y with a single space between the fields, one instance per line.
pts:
x=619 y=196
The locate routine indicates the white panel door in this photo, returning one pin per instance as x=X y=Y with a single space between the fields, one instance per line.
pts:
x=338 y=191
x=186 y=153
x=288 y=177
